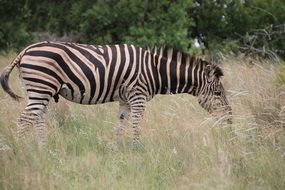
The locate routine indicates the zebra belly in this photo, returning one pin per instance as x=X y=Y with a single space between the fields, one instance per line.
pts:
x=74 y=95
x=81 y=97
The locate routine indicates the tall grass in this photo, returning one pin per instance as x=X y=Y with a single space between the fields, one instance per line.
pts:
x=182 y=147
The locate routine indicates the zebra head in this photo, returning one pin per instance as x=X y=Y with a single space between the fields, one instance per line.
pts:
x=212 y=96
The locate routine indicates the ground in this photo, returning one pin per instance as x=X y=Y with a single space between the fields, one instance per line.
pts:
x=182 y=146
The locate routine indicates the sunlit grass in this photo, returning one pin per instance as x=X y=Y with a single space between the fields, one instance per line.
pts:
x=182 y=147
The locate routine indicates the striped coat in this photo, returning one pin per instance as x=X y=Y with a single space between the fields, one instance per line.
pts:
x=88 y=74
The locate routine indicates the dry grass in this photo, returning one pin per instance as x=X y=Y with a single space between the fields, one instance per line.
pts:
x=183 y=148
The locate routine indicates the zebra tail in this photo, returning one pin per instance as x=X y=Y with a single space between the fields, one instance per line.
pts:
x=5 y=77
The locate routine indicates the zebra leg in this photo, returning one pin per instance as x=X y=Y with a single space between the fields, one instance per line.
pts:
x=40 y=129
x=137 y=110
x=33 y=115
x=124 y=113
x=25 y=121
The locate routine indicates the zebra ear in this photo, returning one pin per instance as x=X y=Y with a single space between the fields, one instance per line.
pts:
x=218 y=72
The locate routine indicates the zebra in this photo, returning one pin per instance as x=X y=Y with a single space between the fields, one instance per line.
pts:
x=95 y=74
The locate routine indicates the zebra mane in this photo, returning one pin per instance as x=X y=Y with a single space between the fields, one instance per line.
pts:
x=156 y=50
x=218 y=72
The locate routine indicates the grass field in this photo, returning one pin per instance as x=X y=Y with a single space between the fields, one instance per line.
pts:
x=183 y=148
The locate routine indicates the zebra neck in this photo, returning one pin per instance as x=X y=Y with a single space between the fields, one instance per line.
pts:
x=178 y=73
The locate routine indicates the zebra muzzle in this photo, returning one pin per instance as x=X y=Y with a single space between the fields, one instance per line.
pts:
x=223 y=114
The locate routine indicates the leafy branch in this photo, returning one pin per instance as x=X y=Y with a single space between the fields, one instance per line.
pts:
x=262 y=42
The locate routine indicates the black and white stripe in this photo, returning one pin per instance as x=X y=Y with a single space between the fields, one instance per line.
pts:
x=88 y=74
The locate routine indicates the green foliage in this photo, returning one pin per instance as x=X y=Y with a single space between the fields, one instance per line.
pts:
x=13 y=31
x=223 y=25
x=141 y=23
x=220 y=22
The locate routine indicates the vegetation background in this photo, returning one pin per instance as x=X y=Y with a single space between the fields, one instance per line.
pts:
x=254 y=26
x=183 y=148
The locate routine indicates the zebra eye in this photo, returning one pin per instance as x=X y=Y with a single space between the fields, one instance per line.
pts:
x=217 y=93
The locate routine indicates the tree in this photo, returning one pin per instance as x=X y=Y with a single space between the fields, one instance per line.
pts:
x=13 y=31
x=219 y=25
x=221 y=22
